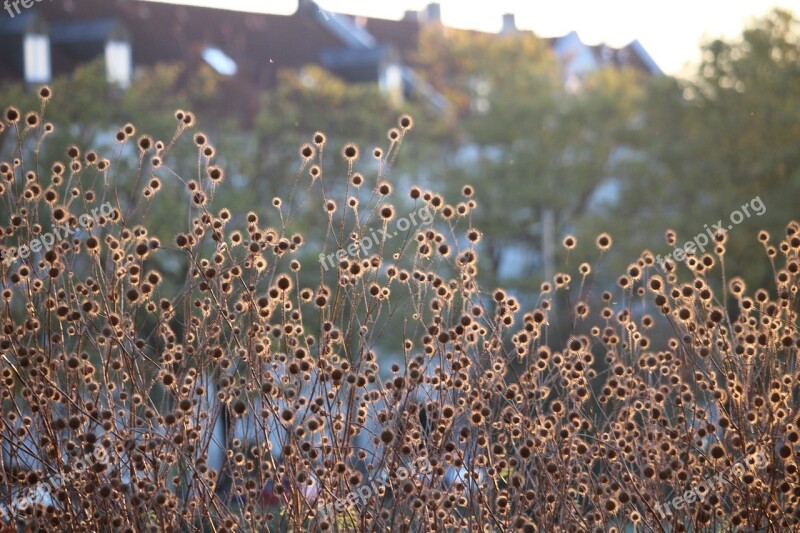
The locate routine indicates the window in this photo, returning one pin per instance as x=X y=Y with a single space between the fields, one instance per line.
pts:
x=119 y=63
x=480 y=89
x=391 y=82
x=220 y=61
x=37 y=58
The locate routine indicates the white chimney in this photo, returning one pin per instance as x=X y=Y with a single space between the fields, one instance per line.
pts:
x=433 y=13
x=509 y=24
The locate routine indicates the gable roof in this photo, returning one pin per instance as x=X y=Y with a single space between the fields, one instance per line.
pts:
x=26 y=22
x=582 y=57
x=167 y=33
x=403 y=34
x=255 y=46
x=82 y=30
x=258 y=43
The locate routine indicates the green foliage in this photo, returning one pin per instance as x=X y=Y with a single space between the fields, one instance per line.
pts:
x=531 y=145
x=716 y=141
x=309 y=101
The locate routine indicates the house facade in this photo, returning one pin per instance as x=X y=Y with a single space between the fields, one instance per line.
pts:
x=53 y=38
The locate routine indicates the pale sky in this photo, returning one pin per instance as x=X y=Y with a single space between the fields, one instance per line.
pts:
x=670 y=31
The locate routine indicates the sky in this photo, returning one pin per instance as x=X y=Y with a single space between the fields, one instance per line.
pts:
x=671 y=31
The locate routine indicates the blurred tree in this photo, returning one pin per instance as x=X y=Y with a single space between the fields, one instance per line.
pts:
x=715 y=142
x=259 y=152
x=313 y=100
x=93 y=107
x=532 y=149
x=87 y=112
x=302 y=103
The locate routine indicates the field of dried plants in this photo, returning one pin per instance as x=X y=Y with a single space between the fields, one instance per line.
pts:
x=116 y=388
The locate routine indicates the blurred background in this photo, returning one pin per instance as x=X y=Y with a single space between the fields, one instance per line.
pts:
x=573 y=118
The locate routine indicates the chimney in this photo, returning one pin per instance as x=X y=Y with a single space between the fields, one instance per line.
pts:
x=509 y=24
x=411 y=15
x=433 y=13
x=306 y=7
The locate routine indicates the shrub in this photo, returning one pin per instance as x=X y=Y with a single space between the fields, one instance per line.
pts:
x=117 y=391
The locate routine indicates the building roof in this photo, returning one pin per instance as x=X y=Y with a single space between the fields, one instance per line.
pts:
x=253 y=47
x=83 y=30
x=581 y=57
x=257 y=43
x=28 y=21
x=403 y=34
x=16 y=25
x=646 y=59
